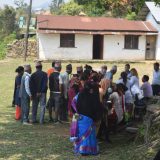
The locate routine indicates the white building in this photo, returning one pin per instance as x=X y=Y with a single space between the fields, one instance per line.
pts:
x=86 y=38
x=151 y=13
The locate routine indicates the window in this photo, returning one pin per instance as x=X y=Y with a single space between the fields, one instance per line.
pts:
x=67 y=40
x=131 y=42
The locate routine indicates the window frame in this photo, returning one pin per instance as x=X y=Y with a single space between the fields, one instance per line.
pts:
x=65 y=38
x=131 y=42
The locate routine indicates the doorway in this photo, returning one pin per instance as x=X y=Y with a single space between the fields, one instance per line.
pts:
x=150 y=47
x=98 y=46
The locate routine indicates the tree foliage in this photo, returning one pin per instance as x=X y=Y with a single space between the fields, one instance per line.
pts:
x=7 y=20
x=55 y=6
x=22 y=8
x=71 y=8
x=113 y=8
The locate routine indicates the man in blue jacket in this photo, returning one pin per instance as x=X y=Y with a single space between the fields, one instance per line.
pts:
x=38 y=87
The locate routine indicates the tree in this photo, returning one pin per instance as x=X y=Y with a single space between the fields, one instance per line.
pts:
x=8 y=20
x=22 y=8
x=55 y=6
x=71 y=8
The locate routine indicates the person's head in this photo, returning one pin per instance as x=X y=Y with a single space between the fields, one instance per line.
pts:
x=20 y=70
x=27 y=68
x=88 y=67
x=38 y=65
x=94 y=77
x=58 y=66
x=69 y=68
x=127 y=67
x=124 y=76
x=79 y=70
x=114 y=69
x=83 y=79
x=103 y=69
x=156 y=66
x=121 y=88
x=134 y=72
x=145 y=78
x=53 y=64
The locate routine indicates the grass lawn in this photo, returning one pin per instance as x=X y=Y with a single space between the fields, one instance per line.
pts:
x=50 y=141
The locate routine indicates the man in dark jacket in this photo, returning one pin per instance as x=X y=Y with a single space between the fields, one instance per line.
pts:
x=38 y=87
x=55 y=87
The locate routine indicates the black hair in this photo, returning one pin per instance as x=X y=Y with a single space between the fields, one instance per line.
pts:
x=88 y=67
x=84 y=77
x=156 y=64
x=121 y=86
x=124 y=77
x=128 y=65
x=39 y=67
x=69 y=67
x=95 y=78
x=20 y=69
x=146 y=78
x=53 y=63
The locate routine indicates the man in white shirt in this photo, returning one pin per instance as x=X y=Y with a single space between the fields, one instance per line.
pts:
x=109 y=74
x=25 y=94
x=64 y=81
x=156 y=79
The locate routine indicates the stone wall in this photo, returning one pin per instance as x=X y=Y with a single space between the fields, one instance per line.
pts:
x=16 y=49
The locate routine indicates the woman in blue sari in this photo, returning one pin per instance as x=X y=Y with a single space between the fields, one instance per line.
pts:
x=87 y=108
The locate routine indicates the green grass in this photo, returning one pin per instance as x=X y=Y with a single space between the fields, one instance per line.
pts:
x=18 y=142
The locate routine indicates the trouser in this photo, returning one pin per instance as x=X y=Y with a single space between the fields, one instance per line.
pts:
x=64 y=110
x=56 y=103
x=156 y=89
x=36 y=100
x=25 y=107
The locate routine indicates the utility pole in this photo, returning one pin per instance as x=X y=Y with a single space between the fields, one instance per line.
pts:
x=27 y=31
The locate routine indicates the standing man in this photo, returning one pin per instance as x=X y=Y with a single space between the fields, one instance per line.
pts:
x=109 y=74
x=48 y=106
x=38 y=87
x=156 y=80
x=56 y=91
x=64 y=80
x=25 y=94
x=127 y=70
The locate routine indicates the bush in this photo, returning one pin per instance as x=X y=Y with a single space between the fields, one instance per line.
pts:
x=3 y=44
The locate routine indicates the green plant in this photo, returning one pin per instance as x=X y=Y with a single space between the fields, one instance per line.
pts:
x=3 y=44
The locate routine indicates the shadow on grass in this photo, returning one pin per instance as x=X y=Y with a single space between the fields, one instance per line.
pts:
x=47 y=141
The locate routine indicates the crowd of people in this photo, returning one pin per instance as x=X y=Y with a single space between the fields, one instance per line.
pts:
x=91 y=99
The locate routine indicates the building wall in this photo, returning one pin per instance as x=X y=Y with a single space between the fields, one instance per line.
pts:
x=49 y=47
x=151 y=19
x=114 y=48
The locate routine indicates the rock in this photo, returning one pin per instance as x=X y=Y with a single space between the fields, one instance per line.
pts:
x=16 y=48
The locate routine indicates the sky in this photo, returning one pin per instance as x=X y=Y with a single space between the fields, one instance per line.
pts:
x=36 y=3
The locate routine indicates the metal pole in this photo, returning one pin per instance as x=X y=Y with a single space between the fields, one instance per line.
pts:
x=27 y=31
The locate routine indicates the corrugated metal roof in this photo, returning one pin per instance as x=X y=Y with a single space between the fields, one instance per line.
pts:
x=154 y=9
x=77 y=23
x=95 y=33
